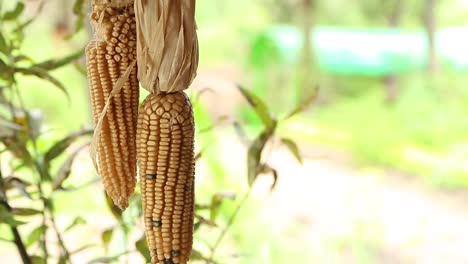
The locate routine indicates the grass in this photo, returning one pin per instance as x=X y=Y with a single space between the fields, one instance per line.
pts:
x=423 y=133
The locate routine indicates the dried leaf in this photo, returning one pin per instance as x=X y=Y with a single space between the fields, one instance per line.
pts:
x=167 y=44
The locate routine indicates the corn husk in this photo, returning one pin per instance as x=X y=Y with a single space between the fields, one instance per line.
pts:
x=167 y=44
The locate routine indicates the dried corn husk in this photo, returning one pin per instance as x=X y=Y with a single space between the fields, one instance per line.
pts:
x=167 y=44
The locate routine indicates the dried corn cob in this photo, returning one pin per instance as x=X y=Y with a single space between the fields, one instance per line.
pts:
x=165 y=147
x=108 y=57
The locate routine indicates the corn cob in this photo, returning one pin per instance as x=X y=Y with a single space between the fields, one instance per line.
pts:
x=108 y=57
x=165 y=147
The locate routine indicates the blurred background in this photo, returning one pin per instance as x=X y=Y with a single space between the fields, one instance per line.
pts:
x=371 y=168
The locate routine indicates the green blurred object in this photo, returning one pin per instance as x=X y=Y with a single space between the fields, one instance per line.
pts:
x=370 y=52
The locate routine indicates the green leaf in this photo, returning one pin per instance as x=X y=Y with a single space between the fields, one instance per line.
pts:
x=38 y=260
x=62 y=260
x=304 y=104
x=106 y=237
x=77 y=221
x=292 y=146
x=259 y=106
x=7 y=217
x=112 y=259
x=50 y=65
x=3 y=44
x=142 y=247
x=65 y=170
x=25 y=211
x=44 y=75
x=58 y=148
x=15 y=13
x=254 y=154
x=216 y=202
x=274 y=173
x=115 y=210
x=79 y=12
x=35 y=235
x=197 y=255
x=197 y=226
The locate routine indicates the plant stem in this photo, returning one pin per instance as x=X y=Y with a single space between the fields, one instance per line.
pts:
x=20 y=245
x=66 y=252
x=229 y=224
x=17 y=236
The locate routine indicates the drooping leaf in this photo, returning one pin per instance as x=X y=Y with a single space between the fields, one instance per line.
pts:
x=260 y=108
x=274 y=173
x=44 y=75
x=254 y=153
x=7 y=217
x=42 y=168
x=14 y=182
x=292 y=146
x=65 y=170
x=15 y=13
x=35 y=235
x=50 y=65
x=142 y=247
x=304 y=104
x=77 y=221
x=25 y=211
x=58 y=148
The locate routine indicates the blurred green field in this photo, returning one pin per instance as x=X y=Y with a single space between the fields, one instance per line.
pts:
x=423 y=133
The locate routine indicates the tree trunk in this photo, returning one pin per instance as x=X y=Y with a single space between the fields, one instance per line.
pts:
x=429 y=23
x=307 y=57
x=391 y=80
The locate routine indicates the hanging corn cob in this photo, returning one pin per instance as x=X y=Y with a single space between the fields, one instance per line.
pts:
x=114 y=95
x=167 y=52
